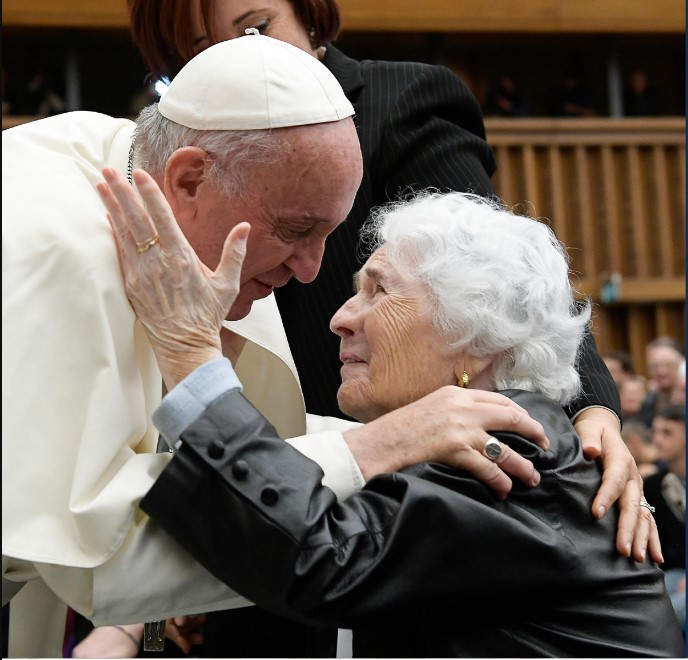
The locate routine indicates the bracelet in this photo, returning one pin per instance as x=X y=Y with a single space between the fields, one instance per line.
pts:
x=128 y=634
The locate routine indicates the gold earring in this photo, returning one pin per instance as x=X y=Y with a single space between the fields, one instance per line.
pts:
x=464 y=380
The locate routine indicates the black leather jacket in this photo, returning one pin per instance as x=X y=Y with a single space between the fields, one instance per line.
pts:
x=422 y=563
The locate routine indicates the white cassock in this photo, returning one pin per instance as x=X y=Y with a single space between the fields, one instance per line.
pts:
x=80 y=383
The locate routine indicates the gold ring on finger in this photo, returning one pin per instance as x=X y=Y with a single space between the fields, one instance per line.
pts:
x=143 y=246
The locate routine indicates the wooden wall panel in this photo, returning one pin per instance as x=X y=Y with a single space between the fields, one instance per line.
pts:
x=614 y=193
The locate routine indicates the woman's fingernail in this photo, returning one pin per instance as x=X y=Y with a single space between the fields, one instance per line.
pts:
x=601 y=510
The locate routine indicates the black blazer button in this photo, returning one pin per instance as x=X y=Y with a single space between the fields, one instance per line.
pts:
x=240 y=470
x=216 y=449
x=269 y=496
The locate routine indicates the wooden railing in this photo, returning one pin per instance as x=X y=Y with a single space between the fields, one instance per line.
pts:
x=613 y=190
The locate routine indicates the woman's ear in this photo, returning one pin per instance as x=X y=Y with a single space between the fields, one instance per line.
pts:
x=185 y=175
x=471 y=371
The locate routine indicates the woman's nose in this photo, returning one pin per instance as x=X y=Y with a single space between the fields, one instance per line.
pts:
x=344 y=321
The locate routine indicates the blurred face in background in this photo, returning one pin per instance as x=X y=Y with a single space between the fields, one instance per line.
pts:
x=669 y=438
x=615 y=369
x=632 y=393
x=678 y=394
x=663 y=366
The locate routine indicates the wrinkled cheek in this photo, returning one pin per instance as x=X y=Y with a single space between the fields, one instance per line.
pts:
x=390 y=363
x=356 y=397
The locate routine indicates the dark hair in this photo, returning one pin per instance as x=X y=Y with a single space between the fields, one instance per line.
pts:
x=624 y=359
x=161 y=29
x=674 y=412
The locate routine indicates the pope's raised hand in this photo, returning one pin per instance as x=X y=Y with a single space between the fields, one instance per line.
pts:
x=178 y=299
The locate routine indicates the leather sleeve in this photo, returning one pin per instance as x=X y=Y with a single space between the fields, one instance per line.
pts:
x=253 y=511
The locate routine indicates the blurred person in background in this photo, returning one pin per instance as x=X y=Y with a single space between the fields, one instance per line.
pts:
x=506 y=99
x=640 y=97
x=636 y=402
x=572 y=98
x=664 y=359
x=620 y=365
x=678 y=394
x=637 y=438
x=666 y=491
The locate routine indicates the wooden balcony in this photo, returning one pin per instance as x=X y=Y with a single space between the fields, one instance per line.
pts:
x=614 y=192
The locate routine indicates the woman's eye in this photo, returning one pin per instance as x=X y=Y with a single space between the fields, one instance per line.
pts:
x=262 y=26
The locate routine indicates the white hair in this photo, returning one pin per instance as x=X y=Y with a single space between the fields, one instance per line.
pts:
x=499 y=283
x=233 y=153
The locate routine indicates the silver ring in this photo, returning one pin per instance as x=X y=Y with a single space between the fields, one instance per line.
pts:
x=647 y=505
x=493 y=449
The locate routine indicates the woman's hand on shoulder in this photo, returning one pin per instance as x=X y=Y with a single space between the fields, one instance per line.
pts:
x=598 y=429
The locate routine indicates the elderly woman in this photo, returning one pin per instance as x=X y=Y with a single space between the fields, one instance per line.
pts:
x=424 y=562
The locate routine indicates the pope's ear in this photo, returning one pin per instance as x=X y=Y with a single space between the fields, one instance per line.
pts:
x=185 y=173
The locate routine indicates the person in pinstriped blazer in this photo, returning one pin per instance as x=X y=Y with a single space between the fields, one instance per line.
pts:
x=419 y=126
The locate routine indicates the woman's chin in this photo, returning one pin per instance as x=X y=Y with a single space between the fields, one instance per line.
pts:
x=354 y=407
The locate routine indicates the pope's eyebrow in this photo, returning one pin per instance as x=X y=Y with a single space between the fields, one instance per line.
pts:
x=356 y=283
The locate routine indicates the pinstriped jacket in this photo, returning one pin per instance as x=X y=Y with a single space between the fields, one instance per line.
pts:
x=419 y=126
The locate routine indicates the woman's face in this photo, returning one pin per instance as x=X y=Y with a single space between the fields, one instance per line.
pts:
x=391 y=353
x=273 y=18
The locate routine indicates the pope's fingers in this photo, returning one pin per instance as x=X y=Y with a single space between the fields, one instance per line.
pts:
x=233 y=254
x=130 y=211
x=159 y=210
x=120 y=229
